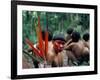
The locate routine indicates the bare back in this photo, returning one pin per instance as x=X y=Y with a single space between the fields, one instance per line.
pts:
x=77 y=48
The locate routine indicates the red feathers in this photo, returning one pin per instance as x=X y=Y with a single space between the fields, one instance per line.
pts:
x=43 y=49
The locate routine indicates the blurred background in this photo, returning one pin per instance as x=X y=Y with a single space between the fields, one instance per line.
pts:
x=55 y=21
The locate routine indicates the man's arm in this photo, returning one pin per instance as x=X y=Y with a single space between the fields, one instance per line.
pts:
x=68 y=42
x=67 y=47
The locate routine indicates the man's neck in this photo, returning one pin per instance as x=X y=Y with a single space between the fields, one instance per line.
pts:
x=56 y=52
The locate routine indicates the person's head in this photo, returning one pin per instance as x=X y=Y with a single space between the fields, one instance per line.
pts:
x=69 y=31
x=58 y=42
x=86 y=36
x=75 y=36
x=49 y=35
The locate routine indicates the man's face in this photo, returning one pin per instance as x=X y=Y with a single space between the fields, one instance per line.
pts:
x=58 y=45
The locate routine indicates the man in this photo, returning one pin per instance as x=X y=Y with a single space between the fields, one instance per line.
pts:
x=87 y=46
x=77 y=47
x=56 y=56
x=69 y=33
x=86 y=40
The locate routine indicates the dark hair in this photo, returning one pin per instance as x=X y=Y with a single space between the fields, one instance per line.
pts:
x=75 y=36
x=70 y=30
x=59 y=37
x=86 y=36
x=49 y=35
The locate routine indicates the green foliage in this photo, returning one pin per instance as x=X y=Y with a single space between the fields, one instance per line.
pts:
x=57 y=22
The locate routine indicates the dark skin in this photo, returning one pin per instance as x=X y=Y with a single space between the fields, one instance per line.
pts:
x=86 y=50
x=58 y=45
x=87 y=44
x=78 y=48
x=54 y=55
x=70 y=54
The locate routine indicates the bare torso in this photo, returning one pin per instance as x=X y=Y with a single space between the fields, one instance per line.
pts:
x=53 y=57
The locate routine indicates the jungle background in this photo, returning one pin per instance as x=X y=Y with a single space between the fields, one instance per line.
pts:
x=57 y=23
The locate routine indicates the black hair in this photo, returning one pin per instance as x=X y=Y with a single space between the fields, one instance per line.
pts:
x=75 y=36
x=70 y=30
x=59 y=37
x=49 y=35
x=86 y=36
